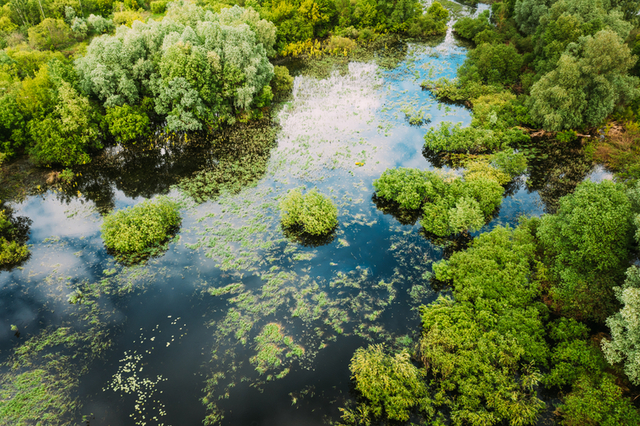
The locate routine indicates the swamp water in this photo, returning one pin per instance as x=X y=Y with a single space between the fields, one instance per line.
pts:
x=236 y=322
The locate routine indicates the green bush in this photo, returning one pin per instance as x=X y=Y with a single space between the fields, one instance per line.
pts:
x=139 y=228
x=492 y=64
x=50 y=34
x=392 y=385
x=587 y=247
x=470 y=27
x=599 y=404
x=126 y=123
x=313 y=212
x=282 y=82
x=448 y=207
x=451 y=137
x=158 y=6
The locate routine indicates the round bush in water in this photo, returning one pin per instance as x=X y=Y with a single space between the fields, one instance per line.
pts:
x=313 y=212
x=135 y=229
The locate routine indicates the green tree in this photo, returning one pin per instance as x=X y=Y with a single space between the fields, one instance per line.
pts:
x=586 y=86
x=50 y=34
x=624 y=346
x=587 y=248
x=392 y=385
x=65 y=136
x=492 y=64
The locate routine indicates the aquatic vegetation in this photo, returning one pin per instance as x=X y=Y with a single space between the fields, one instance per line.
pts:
x=240 y=154
x=449 y=206
x=271 y=346
x=128 y=380
x=313 y=212
x=391 y=384
x=473 y=140
x=138 y=229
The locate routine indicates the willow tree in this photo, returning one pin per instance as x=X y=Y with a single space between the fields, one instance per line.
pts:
x=201 y=69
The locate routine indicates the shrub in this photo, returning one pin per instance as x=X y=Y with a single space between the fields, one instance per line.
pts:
x=126 y=123
x=142 y=227
x=158 y=6
x=587 y=245
x=340 y=45
x=315 y=213
x=448 y=207
x=126 y=17
x=50 y=34
x=392 y=385
x=99 y=25
x=451 y=137
x=492 y=64
x=282 y=82
x=510 y=162
x=470 y=27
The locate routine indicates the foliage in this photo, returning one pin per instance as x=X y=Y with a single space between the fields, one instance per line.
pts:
x=407 y=187
x=432 y=23
x=510 y=162
x=589 y=81
x=448 y=206
x=126 y=123
x=201 y=69
x=158 y=6
x=282 y=82
x=473 y=140
x=599 y=404
x=469 y=28
x=139 y=228
x=483 y=348
x=492 y=64
x=391 y=385
x=313 y=212
x=65 y=135
x=587 y=247
x=50 y=34
x=624 y=346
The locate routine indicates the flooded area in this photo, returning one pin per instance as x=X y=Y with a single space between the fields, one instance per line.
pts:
x=238 y=322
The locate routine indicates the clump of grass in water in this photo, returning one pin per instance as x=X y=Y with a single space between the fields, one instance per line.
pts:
x=311 y=213
x=271 y=345
x=139 y=232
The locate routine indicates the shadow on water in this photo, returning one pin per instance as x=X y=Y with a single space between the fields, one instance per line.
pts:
x=555 y=169
x=390 y=207
x=297 y=234
x=202 y=165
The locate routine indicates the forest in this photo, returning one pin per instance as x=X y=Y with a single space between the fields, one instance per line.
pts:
x=364 y=212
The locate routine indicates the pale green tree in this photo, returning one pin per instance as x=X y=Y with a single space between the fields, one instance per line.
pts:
x=624 y=345
x=589 y=81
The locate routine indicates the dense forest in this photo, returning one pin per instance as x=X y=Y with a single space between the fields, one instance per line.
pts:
x=535 y=323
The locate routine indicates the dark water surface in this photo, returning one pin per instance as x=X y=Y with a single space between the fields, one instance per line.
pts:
x=362 y=287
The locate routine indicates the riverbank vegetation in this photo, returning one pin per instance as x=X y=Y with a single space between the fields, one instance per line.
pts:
x=514 y=324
